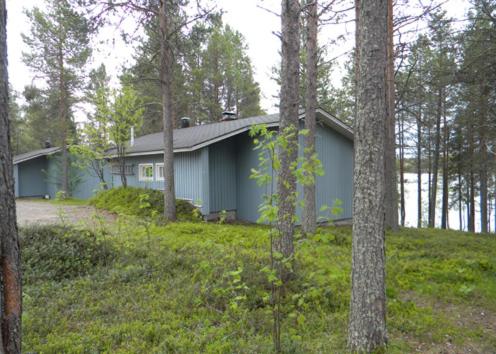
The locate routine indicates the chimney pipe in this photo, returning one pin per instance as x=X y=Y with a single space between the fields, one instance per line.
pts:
x=185 y=122
x=228 y=115
x=131 y=143
x=48 y=144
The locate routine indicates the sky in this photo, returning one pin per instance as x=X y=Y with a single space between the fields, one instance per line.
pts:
x=253 y=18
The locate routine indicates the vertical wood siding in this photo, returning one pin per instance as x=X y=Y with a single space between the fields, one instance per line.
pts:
x=188 y=176
x=222 y=171
x=336 y=155
x=32 y=178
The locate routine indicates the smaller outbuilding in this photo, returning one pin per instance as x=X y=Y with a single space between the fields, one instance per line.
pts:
x=31 y=172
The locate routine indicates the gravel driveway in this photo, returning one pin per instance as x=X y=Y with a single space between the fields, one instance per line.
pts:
x=31 y=212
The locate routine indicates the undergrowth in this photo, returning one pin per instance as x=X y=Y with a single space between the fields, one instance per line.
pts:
x=129 y=200
x=55 y=253
x=198 y=287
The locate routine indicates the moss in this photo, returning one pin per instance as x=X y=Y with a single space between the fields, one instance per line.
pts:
x=197 y=287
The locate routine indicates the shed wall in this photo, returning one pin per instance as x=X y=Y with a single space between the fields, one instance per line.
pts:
x=31 y=178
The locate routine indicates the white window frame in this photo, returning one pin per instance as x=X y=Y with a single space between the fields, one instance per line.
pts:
x=141 y=169
x=159 y=166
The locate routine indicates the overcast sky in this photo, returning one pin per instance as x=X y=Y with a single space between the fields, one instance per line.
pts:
x=256 y=24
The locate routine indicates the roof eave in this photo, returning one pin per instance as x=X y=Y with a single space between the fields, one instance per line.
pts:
x=15 y=162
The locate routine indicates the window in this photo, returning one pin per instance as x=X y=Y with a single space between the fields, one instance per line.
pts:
x=146 y=172
x=128 y=169
x=159 y=170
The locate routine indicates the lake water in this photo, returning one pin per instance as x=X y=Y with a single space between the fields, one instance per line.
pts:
x=411 y=206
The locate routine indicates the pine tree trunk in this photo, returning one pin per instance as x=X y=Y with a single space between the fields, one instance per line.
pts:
x=288 y=127
x=429 y=172
x=402 y=169
x=471 y=215
x=309 y=211
x=166 y=64
x=444 y=212
x=483 y=159
x=419 y=168
x=460 y=199
x=435 y=167
x=367 y=326
x=10 y=297
x=63 y=123
x=471 y=182
x=391 y=197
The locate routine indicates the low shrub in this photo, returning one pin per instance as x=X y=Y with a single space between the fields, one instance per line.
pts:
x=54 y=252
x=140 y=202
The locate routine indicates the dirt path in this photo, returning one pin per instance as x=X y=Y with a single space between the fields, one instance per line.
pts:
x=33 y=212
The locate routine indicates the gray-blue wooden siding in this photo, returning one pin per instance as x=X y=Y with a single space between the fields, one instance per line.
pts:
x=190 y=173
x=30 y=178
x=41 y=176
x=336 y=154
x=216 y=177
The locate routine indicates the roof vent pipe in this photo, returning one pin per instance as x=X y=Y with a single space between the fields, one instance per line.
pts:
x=185 y=122
x=131 y=142
x=228 y=115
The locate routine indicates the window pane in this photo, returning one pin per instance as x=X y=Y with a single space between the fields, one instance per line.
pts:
x=148 y=171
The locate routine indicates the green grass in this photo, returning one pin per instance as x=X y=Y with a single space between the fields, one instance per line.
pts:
x=68 y=201
x=197 y=287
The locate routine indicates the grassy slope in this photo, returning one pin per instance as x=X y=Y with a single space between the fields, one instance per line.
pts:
x=195 y=287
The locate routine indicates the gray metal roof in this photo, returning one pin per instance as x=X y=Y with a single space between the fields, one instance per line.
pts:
x=196 y=137
x=35 y=154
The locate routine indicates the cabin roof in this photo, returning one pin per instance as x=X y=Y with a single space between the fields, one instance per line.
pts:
x=197 y=137
x=35 y=154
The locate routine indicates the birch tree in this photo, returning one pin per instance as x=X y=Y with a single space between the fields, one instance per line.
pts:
x=367 y=326
x=11 y=294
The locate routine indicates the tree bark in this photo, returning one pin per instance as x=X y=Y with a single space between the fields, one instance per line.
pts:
x=11 y=294
x=401 y=138
x=309 y=223
x=367 y=327
x=288 y=127
x=471 y=182
x=435 y=167
x=419 y=167
x=63 y=123
x=391 y=197
x=460 y=199
x=444 y=209
x=166 y=67
x=483 y=159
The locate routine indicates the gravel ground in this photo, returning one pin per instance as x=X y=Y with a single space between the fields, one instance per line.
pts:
x=32 y=212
